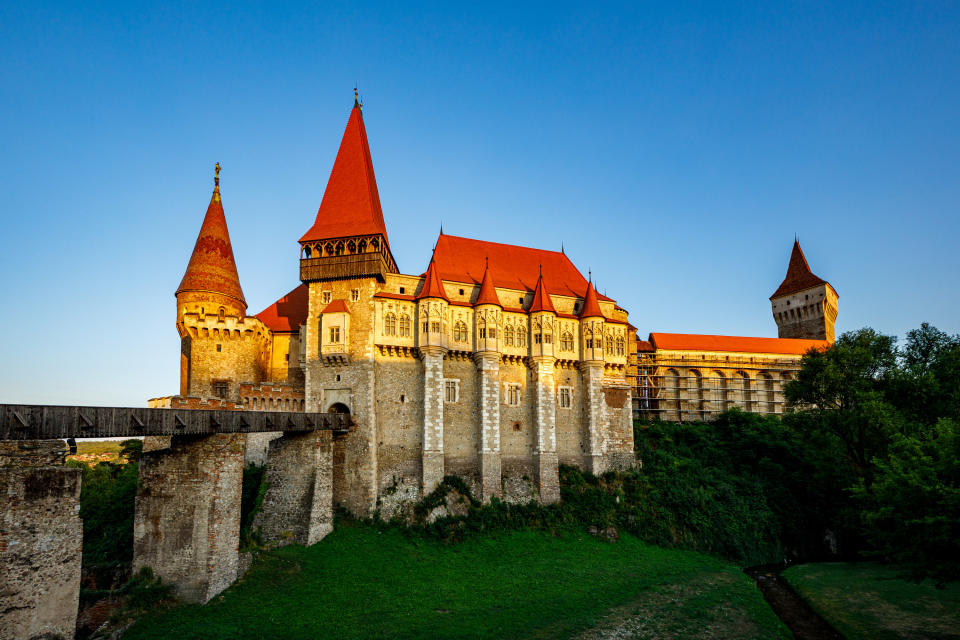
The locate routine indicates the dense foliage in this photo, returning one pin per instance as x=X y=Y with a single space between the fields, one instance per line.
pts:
x=894 y=414
x=108 y=492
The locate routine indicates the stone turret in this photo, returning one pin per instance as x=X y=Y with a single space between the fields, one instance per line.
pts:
x=432 y=303
x=592 y=324
x=220 y=345
x=804 y=305
x=488 y=313
x=543 y=321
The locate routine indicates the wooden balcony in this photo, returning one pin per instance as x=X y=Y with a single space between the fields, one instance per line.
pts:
x=373 y=264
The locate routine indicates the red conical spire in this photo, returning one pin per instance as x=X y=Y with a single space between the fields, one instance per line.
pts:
x=432 y=285
x=488 y=294
x=541 y=299
x=799 y=276
x=351 y=202
x=591 y=306
x=212 y=268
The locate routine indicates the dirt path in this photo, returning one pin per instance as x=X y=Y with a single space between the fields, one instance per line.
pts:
x=804 y=622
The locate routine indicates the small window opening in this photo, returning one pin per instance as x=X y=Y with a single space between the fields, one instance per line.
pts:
x=338 y=377
x=517 y=426
x=403 y=398
x=461 y=291
x=219 y=347
x=403 y=289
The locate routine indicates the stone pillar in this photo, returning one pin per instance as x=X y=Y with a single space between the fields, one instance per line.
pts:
x=432 y=473
x=545 y=408
x=298 y=504
x=40 y=540
x=187 y=521
x=593 y=409
x=488 y=369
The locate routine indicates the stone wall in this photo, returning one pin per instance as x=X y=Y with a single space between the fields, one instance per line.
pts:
x=187 y=519
x=40 y=541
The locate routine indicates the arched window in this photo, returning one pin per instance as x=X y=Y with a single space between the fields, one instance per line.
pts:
x=404 y=325
x=339 y=248
x=221 y=314
x=460 y=331
x=521 y=335
x=390 y=325
x=610 y=345
x=307 y=252
x=672 y=394
x=328 y=249
x=352 y=246
x=362 y=246
x=621 y=346
x=566 y=341
x=765 y=382
x=508 y=335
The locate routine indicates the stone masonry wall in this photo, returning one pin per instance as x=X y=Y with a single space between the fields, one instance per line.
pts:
x=40 y=541
x=187 y=518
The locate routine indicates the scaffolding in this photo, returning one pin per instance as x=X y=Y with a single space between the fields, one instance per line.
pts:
x=698 y=388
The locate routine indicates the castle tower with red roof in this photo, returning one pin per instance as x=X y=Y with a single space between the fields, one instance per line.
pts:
x=804 y=305
x=219 y=345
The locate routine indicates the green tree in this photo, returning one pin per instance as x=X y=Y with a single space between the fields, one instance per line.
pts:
x=912 y=512
x=843 y=388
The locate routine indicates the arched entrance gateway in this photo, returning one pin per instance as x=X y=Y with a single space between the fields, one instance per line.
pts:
x=339 y=407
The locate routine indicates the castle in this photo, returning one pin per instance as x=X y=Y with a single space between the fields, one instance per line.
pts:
x=496 y=364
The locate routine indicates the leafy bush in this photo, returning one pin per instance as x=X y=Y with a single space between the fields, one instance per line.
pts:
x=251 y=501
x=108 y=495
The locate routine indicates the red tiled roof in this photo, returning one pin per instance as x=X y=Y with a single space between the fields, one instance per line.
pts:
x=337 y=306
x=541 y=300
x=511 y=266
x=644 y=346
x=697 y=342
x=212 y=267
x=351 y=202
x=488 y=294
x=799 y=276
x=591 y=308
x=432 y=286
x=288 y=313
x=393 y=296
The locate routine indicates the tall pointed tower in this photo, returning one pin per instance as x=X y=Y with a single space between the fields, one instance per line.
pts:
x=804 y=305
x=219 y=346
x=348 y=238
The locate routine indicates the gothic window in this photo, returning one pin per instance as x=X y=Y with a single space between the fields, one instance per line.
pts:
x=508 y=335
x=621 y=346
x=354 y=295
x=588 y=339
x=220 y=389
x=352 y=246
x=610 y=345
x=521 y=335
x=307 y=253
x=482 y=330
x=221 y=314
x=566 y=341
x=425 y=326
x=435 y=327
x=390 y=324
x=339 y=249
x=326 y=297
x=451 y=390
x=460 y=331
x=328 y=249
x=335 y=334
x=564 y=397
x=512 y=394
x=362 y=246
x=492 y=333
x=547 y=337
x=405 y=325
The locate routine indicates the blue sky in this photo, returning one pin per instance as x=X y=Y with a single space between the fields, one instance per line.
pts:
x=674 y=149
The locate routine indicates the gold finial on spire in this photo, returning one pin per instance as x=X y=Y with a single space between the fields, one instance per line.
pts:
x=216 y=181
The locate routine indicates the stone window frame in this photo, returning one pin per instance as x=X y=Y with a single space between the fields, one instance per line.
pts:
x=565 y=397
x=334 y=334
x=460 y=331
x=566 y=341
x=389 y=324
x=221 y=388
x=508 y=335
x=512 y=394
x=451 y=388
x=326 y=297
x=354 y=295
x=405 y=323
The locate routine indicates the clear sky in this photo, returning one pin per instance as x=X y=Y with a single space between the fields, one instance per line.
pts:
x=674 y=149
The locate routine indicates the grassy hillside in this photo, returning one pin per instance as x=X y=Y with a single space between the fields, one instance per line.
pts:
x=869 y=601
x=364 y=582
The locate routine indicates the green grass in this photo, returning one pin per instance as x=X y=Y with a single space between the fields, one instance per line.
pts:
x=361 y=582
x=869 y=600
